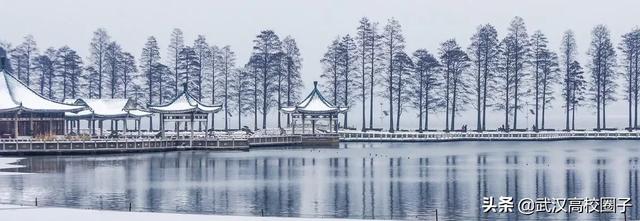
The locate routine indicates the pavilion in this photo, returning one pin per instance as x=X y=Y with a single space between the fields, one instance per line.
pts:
x=314 y=108
x=23 y=112
x=185 y=109
x=114 y=110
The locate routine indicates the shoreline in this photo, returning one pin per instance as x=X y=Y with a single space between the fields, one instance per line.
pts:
x=30 y=147
x=358 y=136
x=16 y=212
x=10 y=163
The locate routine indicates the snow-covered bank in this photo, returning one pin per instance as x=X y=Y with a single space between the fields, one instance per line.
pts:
x=11 y=212
x=9 y=163
x=440 y=136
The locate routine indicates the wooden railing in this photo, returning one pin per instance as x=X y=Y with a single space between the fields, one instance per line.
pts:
x=454 y=136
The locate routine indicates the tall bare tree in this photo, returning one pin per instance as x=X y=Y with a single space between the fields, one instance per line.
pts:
x=483 y=53
x=393 y=43
x=98 y=51
x=568 y=51
x=425 y=92
x=630 y=48
x=603 y=61
x=176 y=44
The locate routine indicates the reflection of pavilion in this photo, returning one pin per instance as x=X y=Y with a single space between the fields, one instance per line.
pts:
x=314 y=108
x=185 y=109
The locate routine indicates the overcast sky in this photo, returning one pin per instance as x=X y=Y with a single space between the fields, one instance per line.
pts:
x=314 y=24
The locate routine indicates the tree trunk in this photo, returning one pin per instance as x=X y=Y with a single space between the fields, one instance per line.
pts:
x=478 y=99
x=453 y=105
x=399 y=97
x=537 y=96
x=446 y=120
x=420 y=96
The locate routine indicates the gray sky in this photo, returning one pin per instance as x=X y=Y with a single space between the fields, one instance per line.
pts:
x=314 y=24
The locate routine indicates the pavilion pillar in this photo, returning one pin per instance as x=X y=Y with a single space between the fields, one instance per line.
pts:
x=191 y=138
x=100 y=124
x=177 y=128
x=151 y=122
x=206 y=129
x=161 y=125
x=31 y=123
x=293 y=127
x=138 y=126
x=331 y=123
x=50 y=126
x=313 y=126
x=303 y=126
x=125 y=126
x=78 y=127
x=15 y=125
x=93 y=126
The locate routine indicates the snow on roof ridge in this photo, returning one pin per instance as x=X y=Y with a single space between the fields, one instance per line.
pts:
x=178 y=104
x=314 y=102
x=108 y=107
x=18 y=92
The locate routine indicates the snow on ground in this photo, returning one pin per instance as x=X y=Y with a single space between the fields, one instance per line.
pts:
x=11 y=212
x=8 y=163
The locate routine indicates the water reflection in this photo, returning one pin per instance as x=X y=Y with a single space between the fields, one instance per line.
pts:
x=372 y=181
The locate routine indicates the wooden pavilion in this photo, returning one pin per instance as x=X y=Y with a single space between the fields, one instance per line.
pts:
x=99 y=110
x=185 y=110
x=25 y=113
x=314 y=108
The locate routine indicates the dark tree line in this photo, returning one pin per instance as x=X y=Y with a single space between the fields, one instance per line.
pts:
x=514 y=74
x=209 y=72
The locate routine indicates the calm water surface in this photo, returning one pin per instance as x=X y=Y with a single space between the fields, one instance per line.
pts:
x=358 y=180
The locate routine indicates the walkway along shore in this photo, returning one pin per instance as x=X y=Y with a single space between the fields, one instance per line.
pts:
x=132 y=145
x=357 y=136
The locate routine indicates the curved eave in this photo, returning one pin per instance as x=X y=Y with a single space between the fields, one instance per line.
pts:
x=318 y=112
x=9 y=109
x=66 y=107
x=196 y=106
x=54 y=111
x=194 y=109
x=76 y=110
x=97 y=116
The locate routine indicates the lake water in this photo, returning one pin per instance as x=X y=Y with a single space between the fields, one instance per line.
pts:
x=357 y=180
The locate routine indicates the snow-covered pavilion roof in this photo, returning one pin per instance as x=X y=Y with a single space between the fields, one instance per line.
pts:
x=314 y=103
x=107 y=108
x=185 y=103
x=14 y=95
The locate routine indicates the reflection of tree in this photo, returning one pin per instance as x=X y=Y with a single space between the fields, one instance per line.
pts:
x=633 y=188
x=396 y=206
x=451 y=187
x=512 y=180
x=482 y=188
x=572 y=188
x=601 y=184
x=426 y=197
